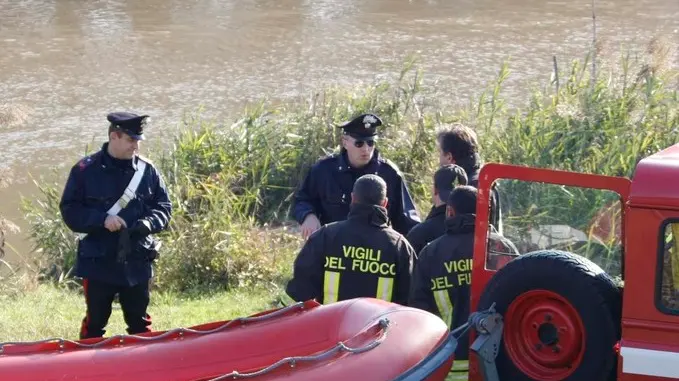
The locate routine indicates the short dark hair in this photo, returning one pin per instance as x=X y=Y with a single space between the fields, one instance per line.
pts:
x=370 y=189
x=447 y=178
x=459 y=141
x=463 y=199
x=113 y=128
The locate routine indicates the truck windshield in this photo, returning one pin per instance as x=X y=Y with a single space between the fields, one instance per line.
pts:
x=669 y=280
x=540 y=216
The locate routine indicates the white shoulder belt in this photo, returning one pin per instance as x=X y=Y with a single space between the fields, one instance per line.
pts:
x=128 y=195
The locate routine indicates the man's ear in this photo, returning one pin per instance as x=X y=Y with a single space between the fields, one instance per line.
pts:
x=116 y=134
x=385 y=202
x=450 y=212
x=353 y=198
x=449 y=157
x=344 y=142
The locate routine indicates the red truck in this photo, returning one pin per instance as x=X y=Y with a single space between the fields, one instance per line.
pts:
x=558 y=311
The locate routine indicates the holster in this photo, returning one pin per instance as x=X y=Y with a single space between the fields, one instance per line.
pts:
x=124 y=245
x=128 y=239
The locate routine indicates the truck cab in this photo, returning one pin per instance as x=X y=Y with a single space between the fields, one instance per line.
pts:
x=593 y=293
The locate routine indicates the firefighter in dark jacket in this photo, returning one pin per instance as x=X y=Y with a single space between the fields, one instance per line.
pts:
x=459 y=145
x=116 y=200
x=446 y=178
x=324 y=195
x=358 y=257
x=441 y=282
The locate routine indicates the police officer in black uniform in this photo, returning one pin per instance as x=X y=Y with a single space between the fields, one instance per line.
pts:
x=446 y=178
x=324 y=196
x=441 y=282
x=358 y=257
x=116 y=200
x=459 y=145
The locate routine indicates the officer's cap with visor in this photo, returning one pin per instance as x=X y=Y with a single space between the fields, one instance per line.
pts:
x=363 y=127
x=129 y=123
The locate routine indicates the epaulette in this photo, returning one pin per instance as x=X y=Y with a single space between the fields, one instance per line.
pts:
x=392 y=165
x=87 y=161
x=144 y=159
x=329 y=156
x=323 y=160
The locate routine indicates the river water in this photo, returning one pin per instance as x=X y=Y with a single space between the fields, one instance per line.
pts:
x=64 y=64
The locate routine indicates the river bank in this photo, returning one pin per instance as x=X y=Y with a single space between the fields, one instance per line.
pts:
x=230 y=248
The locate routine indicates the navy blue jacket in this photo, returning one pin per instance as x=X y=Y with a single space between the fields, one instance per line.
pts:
x=431 y=228
x=94 y=184
x=326 y=191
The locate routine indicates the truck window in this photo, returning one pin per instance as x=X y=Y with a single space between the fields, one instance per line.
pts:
x=541 y=216
x=669 y=276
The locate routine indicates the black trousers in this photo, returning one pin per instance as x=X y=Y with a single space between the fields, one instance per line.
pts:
x=99 y=299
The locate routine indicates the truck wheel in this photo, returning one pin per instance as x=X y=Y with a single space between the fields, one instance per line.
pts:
x=561 y=318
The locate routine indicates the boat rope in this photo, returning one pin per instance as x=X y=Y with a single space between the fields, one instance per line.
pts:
x=384 y=325
x=120 y=339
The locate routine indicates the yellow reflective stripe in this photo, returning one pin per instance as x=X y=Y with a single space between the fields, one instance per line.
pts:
x=384 y=288
x=444 y=305
x=287 y=300
x=461 y=365
x=674 y=255
x=331 y=287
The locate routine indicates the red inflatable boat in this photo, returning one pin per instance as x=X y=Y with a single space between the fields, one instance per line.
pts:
x=359 y=339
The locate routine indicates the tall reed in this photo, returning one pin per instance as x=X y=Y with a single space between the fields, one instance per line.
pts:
x=232 y=183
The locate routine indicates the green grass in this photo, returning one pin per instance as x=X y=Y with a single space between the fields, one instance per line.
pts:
x=53 y=312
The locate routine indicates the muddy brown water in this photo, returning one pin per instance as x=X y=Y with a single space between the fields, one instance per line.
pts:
x=64 y=64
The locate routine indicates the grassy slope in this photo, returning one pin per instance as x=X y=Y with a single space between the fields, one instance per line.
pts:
x=50 y=312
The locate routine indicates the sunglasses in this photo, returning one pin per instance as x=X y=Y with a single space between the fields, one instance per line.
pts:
x=360 y=143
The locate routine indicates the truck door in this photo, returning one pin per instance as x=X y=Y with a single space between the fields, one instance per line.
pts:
x=548 y=209
x=649 y=349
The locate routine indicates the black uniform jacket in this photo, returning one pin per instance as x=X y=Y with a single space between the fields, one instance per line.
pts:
x=431 y=228
x=441 y=282
x=94 y=184
x=326 y=191
x=359 y=257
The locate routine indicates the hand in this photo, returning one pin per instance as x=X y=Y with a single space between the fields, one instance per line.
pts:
x=114 y=223
x=310 y=225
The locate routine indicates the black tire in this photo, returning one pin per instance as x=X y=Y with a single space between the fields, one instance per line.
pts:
x=554 y=278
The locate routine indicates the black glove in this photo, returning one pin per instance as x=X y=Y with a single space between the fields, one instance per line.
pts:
x=141 y=229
